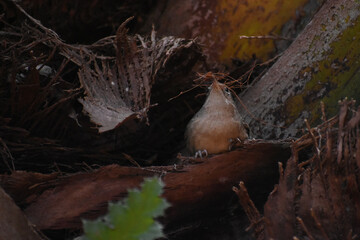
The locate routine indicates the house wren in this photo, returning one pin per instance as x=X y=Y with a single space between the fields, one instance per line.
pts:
x=216 y=124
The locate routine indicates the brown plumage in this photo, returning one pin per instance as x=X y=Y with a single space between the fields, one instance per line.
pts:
x=217 y=122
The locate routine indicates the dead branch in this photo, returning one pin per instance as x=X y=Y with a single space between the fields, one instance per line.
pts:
x=13 y=223
x=320 y=193
x=192 y=189
x=256 y=221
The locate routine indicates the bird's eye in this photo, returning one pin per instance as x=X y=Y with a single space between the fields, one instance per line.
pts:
x=227 y=91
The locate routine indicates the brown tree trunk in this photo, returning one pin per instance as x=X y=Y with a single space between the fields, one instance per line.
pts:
x=322 y=64
x=194 y=190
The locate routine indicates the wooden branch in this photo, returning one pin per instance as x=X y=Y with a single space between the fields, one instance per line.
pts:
x=316 y=67
x=194 y=190
x=13 y=223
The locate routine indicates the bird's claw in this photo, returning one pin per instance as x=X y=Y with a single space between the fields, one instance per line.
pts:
x=200 y=153
x=234 y=142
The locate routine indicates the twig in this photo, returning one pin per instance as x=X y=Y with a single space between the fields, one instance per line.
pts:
x=281 y=170
x=250 y=72
x=322 y=106
x=251 y=211
x=88 y=167
x=302 y=164
x=305 y=228
x=318 y=156
x=183 y=92
x=131 y=159
x=38 y=23
x=306 y=139
x=3 y=33
x=252 y=115
x=273 y=37
x=318 y=152
x=270 y=60
x=318 y=224
x=7 y=154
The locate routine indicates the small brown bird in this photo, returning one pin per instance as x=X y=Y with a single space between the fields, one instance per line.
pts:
x=217 y=123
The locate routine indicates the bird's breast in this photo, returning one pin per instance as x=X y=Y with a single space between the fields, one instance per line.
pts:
x=213 y=133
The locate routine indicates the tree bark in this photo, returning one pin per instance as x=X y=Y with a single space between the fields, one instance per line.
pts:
x=218 y=25
x=322 y=64
x=194 y=190
x=13 y=223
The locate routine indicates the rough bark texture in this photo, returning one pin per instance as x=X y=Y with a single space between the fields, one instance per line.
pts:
x=13 y=223
x=318 y=197
x=194 y=190
x=219 y=24
x=320 y=65
x=118 y=79
x=43 y=128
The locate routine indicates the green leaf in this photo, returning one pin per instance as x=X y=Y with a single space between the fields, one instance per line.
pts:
x=96 y=229
x=133 y=218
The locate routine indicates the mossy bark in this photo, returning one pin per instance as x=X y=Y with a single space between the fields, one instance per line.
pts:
x=321 y=65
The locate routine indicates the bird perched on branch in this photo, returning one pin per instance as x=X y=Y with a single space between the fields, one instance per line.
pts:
x=217 y=123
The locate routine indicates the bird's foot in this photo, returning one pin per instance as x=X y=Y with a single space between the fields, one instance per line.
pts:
x=235 y=142
x=199 y=154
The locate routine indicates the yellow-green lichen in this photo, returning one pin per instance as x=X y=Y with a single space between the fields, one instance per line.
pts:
x=294 y=107
x=252 y=18
x=336 y=76
x=323 y=27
